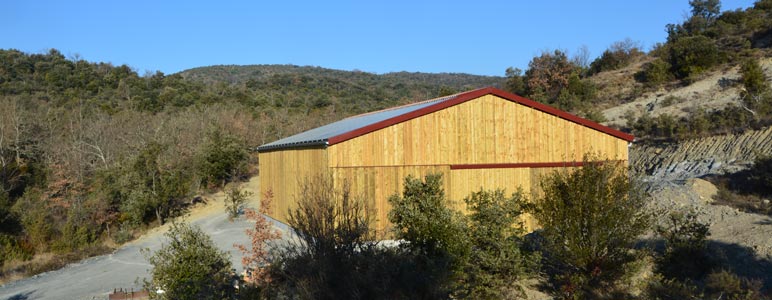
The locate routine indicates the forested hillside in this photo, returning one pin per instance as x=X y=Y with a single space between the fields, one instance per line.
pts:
x=91 y=152
x=399 y=80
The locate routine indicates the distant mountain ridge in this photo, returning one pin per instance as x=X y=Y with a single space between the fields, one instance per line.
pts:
x=236 y=74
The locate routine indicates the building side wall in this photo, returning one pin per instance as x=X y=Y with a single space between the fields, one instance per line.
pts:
x=376 y=184
x=486 y=130
x=282 y=173
x=467 y=181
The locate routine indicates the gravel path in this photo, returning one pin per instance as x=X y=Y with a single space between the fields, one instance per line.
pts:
x=96 y=277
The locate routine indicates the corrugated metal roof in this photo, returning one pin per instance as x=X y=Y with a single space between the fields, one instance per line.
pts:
x=319 y=136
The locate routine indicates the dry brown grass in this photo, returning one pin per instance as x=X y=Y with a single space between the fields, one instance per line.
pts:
x=746 y=203
x=44 y=262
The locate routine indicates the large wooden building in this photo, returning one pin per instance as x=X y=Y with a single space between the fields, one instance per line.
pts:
x=485 y=138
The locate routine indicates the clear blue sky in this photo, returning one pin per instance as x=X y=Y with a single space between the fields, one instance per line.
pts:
x=477 y=37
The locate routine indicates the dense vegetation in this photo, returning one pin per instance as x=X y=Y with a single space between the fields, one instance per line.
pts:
x=91 y=152
x=554 y=79
x=592 y=246
x=442 y=253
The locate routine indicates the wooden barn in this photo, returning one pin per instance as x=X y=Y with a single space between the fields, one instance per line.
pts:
x=485 y=138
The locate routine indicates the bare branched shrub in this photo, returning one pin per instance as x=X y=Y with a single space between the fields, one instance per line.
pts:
x=256 y=257
x=330 y=220
x=333 y=255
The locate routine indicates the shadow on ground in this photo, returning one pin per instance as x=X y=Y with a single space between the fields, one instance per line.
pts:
x=21 y=296
x=738 y=259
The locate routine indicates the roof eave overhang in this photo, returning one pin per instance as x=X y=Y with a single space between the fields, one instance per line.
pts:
x=305 y=144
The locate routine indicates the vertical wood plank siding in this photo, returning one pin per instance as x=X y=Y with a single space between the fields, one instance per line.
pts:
x=282 y=172
x=486 y=130
x=377 y=184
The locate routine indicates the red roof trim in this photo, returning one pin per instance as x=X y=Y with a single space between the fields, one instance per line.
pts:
x=562 y=114
x=557 y=164
x=461 y=98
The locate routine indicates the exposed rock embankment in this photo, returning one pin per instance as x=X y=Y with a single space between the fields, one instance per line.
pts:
x=671 y=173
x=700 y=157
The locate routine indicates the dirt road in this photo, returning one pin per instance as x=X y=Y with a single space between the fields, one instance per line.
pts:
x=96 y=277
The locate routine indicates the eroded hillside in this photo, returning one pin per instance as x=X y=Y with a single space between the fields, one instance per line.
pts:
x=713 y=155
x=714 y=90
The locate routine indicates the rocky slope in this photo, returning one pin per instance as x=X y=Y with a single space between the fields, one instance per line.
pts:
x=671 y=175
x=714 y=90
x=700 y=157
x=743 y=240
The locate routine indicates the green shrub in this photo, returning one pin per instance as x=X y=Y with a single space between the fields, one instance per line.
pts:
x=122 y=235
x=619 y=55
x=590 y=216
x=757 y=95
x=222 y=159
x=495 y=230
x=727 y=285
x=74 y=237
x=692 y=55
x=753 y=77
x=35 y=218
x=337 y=257
x=594 y=115
x=685 y=247
x=515 y=81
x=422 y=218
x=655 y=73
x=152 y=189
x=659 y=288
x=433 y=233
x=235 y=200
x=760 y=175
x=189 y=266
x=12 y=248
x=670 y=100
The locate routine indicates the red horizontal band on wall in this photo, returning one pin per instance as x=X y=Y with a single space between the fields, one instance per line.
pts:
x=519 y=165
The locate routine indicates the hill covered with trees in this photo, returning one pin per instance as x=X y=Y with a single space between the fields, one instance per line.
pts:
x=91 y=152
x=234 y=74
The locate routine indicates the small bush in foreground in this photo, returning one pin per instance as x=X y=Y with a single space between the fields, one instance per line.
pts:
x=591 y=217
x=435 y=234
x=685 y=247
x=335 y=255
x=496 y=261
x=189 y=266
x=727 y=285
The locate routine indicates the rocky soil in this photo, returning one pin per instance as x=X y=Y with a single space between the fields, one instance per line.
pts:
x=743 y=239
x=671 y=174
x=714 y=90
